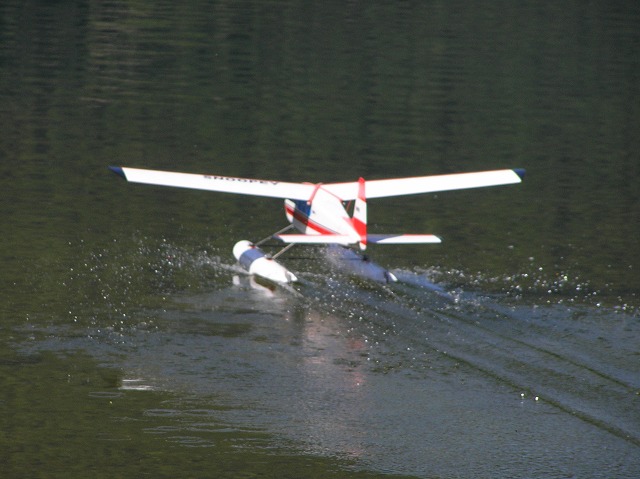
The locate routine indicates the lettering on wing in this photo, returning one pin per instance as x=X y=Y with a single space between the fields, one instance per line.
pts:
x=240 y=180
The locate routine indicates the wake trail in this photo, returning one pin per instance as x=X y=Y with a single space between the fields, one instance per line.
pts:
x=511 y=346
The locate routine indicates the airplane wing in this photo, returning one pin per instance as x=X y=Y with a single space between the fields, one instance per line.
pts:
x=304 y=191
x=426 y=184
x=225 y=184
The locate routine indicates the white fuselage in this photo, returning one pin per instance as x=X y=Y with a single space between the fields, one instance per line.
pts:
x=323 y=214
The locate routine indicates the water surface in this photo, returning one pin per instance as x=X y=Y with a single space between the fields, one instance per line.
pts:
x=132 y=344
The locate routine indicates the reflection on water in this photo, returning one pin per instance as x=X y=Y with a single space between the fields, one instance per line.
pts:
x=131 y=342
x=384 y=378
x=396 y=382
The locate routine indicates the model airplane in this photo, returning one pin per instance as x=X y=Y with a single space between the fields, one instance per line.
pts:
x=318 y=210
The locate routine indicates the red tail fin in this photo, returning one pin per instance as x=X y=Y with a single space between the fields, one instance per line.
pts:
x=359 y=218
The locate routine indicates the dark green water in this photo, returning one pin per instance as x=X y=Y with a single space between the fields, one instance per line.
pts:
x=130 y=342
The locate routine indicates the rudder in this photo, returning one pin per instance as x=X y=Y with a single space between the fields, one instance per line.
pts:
x=359 y=219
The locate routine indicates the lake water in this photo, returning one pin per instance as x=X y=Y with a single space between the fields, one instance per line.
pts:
x=132 y=344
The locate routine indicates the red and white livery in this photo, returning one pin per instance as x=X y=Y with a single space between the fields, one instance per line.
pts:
x=318 y=210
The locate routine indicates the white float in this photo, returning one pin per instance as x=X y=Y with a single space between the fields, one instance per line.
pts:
x=356 y=264
x=257 y=262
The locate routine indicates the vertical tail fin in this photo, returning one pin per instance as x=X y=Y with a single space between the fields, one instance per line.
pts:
x=359 y=219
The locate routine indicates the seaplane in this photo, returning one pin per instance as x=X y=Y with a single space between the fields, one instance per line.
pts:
x=319 y=212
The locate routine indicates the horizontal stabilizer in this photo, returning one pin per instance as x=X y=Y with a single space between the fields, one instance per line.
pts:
x=349 y=240
x=317 y=239
x=402 y=239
